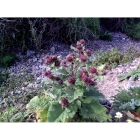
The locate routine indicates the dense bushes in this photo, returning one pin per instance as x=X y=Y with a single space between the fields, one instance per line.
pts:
x=133 y=28
x=24 y=33
x=21 y=34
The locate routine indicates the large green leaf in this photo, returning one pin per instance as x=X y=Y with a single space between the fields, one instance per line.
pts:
x=18 y=117
x=94 y=110
x=47 y=81
x=87 y=99
x=69 y=94
x=56 y=91
x=60 y=71
x=93 y=92
x=78 y=93
x=57 y=113
x=42 y=116
x=39 y=103
x=40 y=106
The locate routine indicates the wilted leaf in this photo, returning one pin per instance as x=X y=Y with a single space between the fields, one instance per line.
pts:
x=100 y=68
x=40 y=106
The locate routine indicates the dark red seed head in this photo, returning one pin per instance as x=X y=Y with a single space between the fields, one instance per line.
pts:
x=64 y=102
x=88 y=52
x=71 y=80
x=91 y=83
x=84 y=71
x=93 y=70
x=82 y=41
x=46 y=73
x=70 y=58
x=79 y=47
x=51 y=76
x=54 y=58
x=57 y=78
x=48 y=61
x=85 y=79
x=60 y=82
x=83 y=58
x=47 y=56
x=107 y=68
x=57 y=63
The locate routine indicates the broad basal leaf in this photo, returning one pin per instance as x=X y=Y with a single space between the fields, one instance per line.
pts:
x=60 y=72
x=47 y=81
x=78 y=93
x=94 y=110
x=58 y=114
x=93 y=92
x=69 y=94
x=42 y=116
x=39 y=103
x=40 y=106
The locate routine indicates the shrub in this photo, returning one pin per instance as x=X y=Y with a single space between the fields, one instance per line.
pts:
x=106 y=36
x=7 y=60
x=133 y=28
x=71 y=95
x=76 y=28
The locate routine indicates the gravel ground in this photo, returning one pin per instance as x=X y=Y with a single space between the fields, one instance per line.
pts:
x=35 y=63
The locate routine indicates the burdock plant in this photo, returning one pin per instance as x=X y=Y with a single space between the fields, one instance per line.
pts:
x=71 y=95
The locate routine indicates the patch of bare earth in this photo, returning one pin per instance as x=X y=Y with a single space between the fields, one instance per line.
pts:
x=110 y=85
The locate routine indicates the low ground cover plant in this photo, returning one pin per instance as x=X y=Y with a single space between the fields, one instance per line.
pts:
x=115 y=57
x=134 y=73
x=71 y=95
x=128 y=101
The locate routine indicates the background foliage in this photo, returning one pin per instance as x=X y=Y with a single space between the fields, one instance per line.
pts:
x=22 y=34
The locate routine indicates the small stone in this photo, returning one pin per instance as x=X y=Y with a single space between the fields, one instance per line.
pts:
x=40 y=61
x=29 y=53
x=25 y=83
x=103 y=101
x=30 y=85
x=131 y=79
x=18 y=91
x=23 y=88
x=52 y=49
x=19 y=106
x=38 y=82
x=35 y=59
x=44 y=69
x=38 y=56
